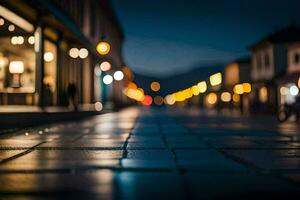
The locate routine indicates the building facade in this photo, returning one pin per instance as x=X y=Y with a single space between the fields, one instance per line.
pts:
x=46 y=46
x=269 y=62
x=237 y=85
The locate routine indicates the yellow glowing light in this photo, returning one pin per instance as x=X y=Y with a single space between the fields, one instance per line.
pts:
x=3 y=61
x=299 y=83
x=155 y=86
x=247 y=87
x=135 y=94
x=202 y=87
x=238 y=89
x=263 y=94
x=195 y=90
x=226 y=97
x=103 y=48
x=2 y=21
x=215 y=79
x=132 y=85
x=169 y=99
x=236 y=98
x=158 y=100
x=141 y=90
x=211 y=98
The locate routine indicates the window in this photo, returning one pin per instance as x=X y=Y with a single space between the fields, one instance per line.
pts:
x=267 y=60
x=50 y=63
x=259 y=61
x=17 y=59
x=297 y=58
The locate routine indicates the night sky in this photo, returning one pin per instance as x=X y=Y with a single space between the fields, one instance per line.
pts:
x=164 y=37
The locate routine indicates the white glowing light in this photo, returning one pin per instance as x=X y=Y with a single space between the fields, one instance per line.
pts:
x=74 y=53
x=83 y=53
x=107 y=79
x=31 y=40
x=11 y=28
x=14 y=40
x=118 y=75
x=98 y=106
x=97 y=71
x=48 y=57
x=294 y=90
x=16 y=67
x=20 y=40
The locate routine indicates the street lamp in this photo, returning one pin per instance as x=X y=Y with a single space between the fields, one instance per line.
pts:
x=16 y=68
x=103 y=48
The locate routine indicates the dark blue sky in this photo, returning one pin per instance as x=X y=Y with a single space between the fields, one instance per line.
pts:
x=163 y=37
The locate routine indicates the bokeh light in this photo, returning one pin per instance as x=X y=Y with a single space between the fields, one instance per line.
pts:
x=105 y=66
x=158 y=100
x=155 y=86
x=107 y=79
x=103 y=48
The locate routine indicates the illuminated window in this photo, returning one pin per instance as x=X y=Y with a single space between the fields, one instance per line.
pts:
x=263 y=94
x=17 y=59
x=50 y=70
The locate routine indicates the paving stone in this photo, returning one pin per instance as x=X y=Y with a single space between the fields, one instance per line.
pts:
x=92 y=185
x=137 y=186
x=237 y=186
x=148 y=164
x=5 y=154
x=206 y=161
x=269 y=160
x=72 y=155
x=150 y=154
x=146 y=144
x=37 y=165
x=81 y=144
x=18 y=144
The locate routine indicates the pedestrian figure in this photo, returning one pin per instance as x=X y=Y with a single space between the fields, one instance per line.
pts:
x=72 y=94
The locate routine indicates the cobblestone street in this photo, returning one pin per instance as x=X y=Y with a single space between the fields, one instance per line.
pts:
x=152 y=154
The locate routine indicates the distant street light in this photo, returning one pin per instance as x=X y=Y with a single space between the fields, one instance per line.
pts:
x=155 y=86
x=105 y=66
x=103 y=48
x=118 y=75
x=215 y=79
x=107 y=79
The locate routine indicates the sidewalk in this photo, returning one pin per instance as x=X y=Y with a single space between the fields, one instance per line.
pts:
x=141 y=154
x=15 y=117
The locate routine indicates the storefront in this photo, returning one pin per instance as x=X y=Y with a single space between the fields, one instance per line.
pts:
x=36 y=65
x=17 y=60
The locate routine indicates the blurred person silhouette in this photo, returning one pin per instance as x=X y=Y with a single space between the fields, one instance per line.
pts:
x=48 y=95
x=72 y=95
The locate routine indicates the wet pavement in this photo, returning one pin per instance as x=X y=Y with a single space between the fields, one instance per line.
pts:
x=153 y=154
